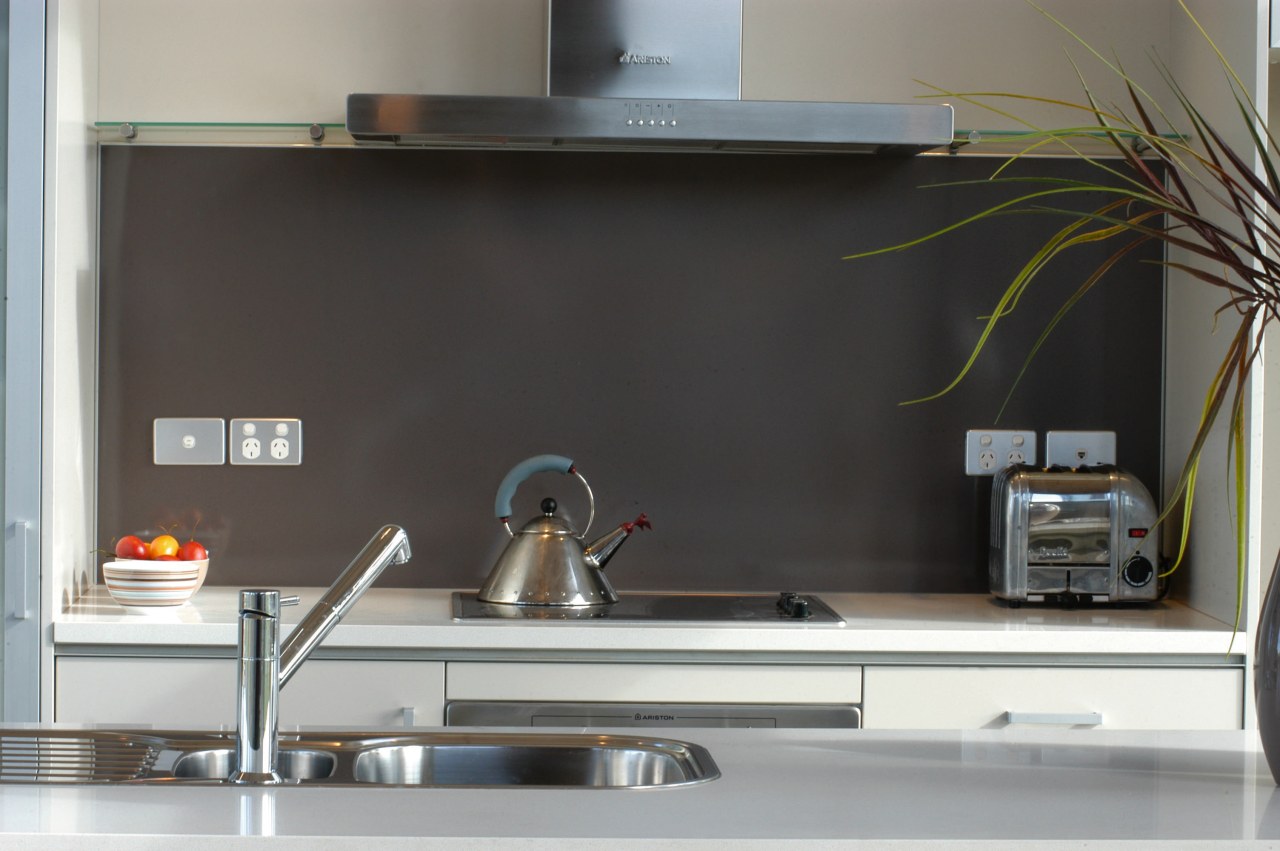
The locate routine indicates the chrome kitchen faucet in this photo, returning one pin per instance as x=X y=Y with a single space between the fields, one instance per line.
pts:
x=265 y=666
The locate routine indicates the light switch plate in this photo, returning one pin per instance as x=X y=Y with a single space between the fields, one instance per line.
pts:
x=1074 y=448
x=264 y=442
x=189 y=440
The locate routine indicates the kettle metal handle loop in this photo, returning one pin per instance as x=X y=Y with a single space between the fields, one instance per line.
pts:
x=525 y=469
x=591 y=504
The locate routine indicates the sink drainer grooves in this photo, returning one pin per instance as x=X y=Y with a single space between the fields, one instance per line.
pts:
x=73 y=759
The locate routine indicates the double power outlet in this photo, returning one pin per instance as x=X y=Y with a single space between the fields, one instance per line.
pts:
x=266 y=442
x=987 y=451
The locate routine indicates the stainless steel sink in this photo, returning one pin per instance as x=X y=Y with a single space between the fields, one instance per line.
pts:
x=443 y=758
x=536 y=761
x=218 y=764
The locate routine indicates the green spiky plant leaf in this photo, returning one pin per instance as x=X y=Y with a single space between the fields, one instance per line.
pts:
x=1170 y=178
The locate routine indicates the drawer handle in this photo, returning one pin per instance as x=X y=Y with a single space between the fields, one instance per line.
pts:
x=1089 y=719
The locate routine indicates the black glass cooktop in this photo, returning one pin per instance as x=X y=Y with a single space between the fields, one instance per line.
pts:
x=787 y=608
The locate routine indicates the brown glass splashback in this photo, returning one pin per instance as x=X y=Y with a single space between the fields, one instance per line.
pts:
x=682 y=325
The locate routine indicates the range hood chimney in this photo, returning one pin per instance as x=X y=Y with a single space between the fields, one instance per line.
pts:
x=646 y=74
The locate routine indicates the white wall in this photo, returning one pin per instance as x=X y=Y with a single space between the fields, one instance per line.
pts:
x=879 y=49
x=70 y=305
x=296 y=60
x=1195 y=347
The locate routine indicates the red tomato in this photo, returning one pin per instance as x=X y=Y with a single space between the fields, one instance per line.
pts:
x=165 y=558
x=164 y=545
x=131 y=546
x=193 y=550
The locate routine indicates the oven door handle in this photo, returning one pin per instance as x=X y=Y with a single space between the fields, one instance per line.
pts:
x=1074 y=719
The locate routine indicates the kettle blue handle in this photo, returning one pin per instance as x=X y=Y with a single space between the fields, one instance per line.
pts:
x=522 y=471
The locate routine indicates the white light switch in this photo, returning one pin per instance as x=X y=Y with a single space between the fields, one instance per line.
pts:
x=189 y=440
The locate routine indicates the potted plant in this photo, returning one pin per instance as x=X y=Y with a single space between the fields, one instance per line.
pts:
x=1167 y=176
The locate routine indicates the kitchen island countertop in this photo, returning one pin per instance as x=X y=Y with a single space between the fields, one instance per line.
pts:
x=421 y=619
x=779 y=788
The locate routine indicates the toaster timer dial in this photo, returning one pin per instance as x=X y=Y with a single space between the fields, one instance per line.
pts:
x=1138 y=571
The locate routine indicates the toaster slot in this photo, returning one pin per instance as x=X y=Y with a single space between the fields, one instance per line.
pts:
x=1069 y=529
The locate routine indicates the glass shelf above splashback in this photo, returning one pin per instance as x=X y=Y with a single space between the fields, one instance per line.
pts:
x=304 y=134
x=231 y=133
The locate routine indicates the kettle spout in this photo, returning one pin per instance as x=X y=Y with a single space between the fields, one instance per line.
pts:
x=602 y=549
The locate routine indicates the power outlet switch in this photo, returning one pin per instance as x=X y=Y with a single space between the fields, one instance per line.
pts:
x=987 y=450
x=266 y=442
x=189 y=440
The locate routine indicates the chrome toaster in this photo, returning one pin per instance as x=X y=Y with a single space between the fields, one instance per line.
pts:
x=1072 y=535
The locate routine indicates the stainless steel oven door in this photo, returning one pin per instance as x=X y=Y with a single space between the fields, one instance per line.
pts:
x=492 y=713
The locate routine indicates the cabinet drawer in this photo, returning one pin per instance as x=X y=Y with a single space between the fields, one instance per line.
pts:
x=594 y=682
x=202 y=692
x=1117 y=698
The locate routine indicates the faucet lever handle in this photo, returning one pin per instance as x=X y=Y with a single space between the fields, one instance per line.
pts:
x=259 y=601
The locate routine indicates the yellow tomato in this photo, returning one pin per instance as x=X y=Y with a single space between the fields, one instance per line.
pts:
x=164 y=545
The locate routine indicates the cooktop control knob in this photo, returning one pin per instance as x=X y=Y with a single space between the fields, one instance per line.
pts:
x=1137 y=571
x=793 y=606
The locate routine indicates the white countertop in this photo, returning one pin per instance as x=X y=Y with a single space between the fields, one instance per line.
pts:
x=876 y=623
x=852 y=788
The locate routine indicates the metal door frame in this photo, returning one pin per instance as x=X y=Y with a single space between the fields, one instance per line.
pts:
x=24 y=159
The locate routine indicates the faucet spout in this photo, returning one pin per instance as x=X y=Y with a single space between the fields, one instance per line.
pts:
x=265 y=666
x=389 y=546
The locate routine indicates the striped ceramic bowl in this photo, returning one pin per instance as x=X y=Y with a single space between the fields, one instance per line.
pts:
x=135 y=582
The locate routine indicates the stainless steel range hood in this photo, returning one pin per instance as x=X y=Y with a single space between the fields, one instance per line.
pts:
x=575 y=122
x=646 y=74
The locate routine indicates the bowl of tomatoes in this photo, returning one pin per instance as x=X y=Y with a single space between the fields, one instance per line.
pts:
x=156 y=572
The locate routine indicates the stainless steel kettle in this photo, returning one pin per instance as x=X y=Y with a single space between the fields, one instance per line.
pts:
x=548 y=563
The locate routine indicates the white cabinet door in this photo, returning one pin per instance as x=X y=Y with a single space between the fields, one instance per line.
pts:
x=998 y=697
x=201 y=692
x=622 y=682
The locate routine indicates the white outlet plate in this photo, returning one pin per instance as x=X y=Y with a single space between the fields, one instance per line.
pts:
x=987 y=450
x=266 y=442
x=1075 y=448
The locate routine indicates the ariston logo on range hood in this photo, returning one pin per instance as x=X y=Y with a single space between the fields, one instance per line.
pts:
x=629 y=58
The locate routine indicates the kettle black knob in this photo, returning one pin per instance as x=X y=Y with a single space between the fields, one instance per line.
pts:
x=548 y=506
